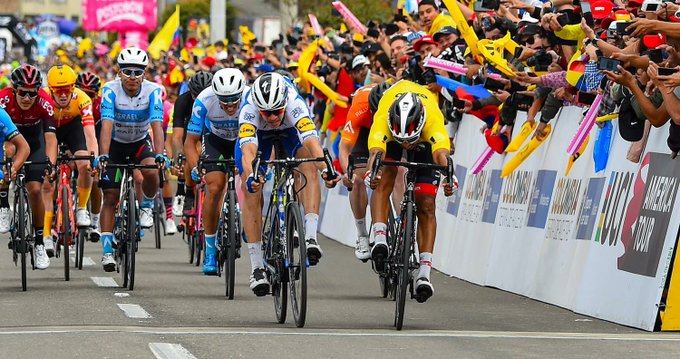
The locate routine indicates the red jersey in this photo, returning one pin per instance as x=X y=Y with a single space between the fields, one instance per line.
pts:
x=97 y=109
x=41 y=114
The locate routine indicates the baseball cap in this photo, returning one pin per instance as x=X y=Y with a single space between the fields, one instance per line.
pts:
x=446 y=30
x=653 y=41
x=359 y=60
x=601 y=9
x=427 y=39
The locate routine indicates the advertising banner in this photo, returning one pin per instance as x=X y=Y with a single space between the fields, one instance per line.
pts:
x=119 y=15
x=598 y=243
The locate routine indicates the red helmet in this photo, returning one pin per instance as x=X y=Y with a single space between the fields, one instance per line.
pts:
x=27 y=76
x=88 y=81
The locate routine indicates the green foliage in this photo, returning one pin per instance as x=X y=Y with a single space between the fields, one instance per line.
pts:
x=194 y=9
x=79 y=32
x=364 y=10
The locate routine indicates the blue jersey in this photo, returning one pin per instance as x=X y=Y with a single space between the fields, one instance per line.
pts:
x=131 y=116
x=207 y=113
x=8 y=130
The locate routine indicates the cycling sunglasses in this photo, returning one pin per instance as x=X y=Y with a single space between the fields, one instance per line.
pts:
x=62 y=91
x=130 y=72
x=25 y=93
x=229 y=100
x=278 y=112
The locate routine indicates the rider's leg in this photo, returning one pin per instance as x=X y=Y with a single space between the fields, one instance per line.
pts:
x=95 y=203
x=84 y=185
x=47 y=194
x=358 y=200
x=167 y=199
x=150 y=189
x=427 y=227
x=215 y=182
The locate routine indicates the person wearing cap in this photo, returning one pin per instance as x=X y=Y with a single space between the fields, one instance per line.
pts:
x=446 y=36
x=431 y=18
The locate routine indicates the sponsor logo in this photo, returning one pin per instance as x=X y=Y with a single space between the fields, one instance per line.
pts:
x=454 y=201
x=247 y=130
x=540 y=199
x=305 y=125
x=297 y=112
x=249 y=117
x=563 y=218
x=515 y=195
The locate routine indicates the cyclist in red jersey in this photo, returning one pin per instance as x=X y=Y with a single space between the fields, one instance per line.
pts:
x=91 y=84
x=32 y=111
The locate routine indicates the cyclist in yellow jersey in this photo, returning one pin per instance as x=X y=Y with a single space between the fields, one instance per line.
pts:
x=74 y=121
x=408 y=114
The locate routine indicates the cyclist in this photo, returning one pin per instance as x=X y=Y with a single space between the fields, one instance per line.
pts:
x=75 y=128
x=90 y=83
x=355 y=141
x=215 y=115
x=182 y=115
x=273 y=104
x=32 y=111
x=408 y=114
x=130 y=106
x=10 y=133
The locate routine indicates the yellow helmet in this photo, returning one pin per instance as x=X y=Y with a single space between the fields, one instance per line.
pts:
x=61 y=75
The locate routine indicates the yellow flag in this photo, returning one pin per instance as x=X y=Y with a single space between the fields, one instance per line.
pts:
x=246 y=35
x=85 y=45
x=115 y=50
x=164 y=38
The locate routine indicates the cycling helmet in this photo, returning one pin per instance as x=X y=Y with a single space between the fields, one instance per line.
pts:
x=407 y=118
x=376 y=94
x=61 y=75
x=133 y=56
x=88 y=81
x=27 y=76
x=199 y=82
x=228 y=84
x=270 y=92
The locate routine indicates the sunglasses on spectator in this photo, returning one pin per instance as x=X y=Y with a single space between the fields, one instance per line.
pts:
x=62 y=91
x=278 y=112
x=25 y=93
x=229 y=100
x=129 y=72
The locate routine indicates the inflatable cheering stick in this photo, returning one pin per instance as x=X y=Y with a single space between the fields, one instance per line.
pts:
x=524 y=153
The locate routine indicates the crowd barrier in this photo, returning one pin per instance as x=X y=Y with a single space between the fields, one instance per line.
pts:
x=599 y=244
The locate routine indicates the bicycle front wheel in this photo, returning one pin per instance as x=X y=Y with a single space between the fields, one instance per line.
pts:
x=157 y=208
x=132 y=231
x=67 y=232
x=402 y=259
x=80 y=247
x=297 y=263
x=275 y=256
x=231 y=238
x=21 y=236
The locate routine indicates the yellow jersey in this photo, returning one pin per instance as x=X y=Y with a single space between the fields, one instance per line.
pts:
x=80 y=106
x=434 y=130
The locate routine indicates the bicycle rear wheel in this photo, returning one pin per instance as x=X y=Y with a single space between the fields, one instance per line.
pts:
x=230 y=239
x=80 y=247
x=21 y=235
x=275 y=260
x=190 y=239
x=402 y=259
x=157 y=208
x=67 y=233
x=297 y=263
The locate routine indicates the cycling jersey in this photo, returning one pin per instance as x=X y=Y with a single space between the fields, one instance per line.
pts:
x=208 y=113
x=131 y=115
x=182 y=113
x=434 y=132
x=97 y=110
x=359 y=116
x=8 y=130
x=80 y=107
x=296 y=115
x=35 y=120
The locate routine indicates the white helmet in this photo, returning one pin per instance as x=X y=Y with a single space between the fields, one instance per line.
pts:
x=270 y=92
x=133 y=56
x=228 y=84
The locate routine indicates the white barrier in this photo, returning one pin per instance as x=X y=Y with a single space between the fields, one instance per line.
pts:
x=596 y=243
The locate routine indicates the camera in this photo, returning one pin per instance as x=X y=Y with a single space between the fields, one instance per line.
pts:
x=324 y=71
x=540 y=61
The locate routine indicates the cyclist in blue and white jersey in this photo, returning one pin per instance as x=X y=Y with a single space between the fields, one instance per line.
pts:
x=10 y=133
x=215 y=116
x=130 y=106
x=273 y=105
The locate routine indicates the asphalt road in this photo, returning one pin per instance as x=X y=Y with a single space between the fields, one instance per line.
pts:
x=188 y=316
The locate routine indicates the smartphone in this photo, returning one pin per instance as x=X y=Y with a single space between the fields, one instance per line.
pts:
x=585 y=98
x=604 y=63
x=649 y=6
x=563 y=19
x=458 y=103
x=391 y=29
x=259 y=48
x=587 y=13
x=622 y=27
x=491 y=4
x=657 y=55
x=493 y=85
x=666 y=71
x=195 y=59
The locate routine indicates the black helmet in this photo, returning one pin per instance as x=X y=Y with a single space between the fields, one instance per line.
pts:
x=88 y=81
x=407 y=118
x=376 y=94
x=26 y=75
x=199 y=82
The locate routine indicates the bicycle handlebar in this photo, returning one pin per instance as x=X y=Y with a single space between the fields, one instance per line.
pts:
x=447 y=169
x=294 y=162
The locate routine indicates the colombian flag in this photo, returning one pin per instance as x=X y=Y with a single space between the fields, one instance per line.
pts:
x=167 y=36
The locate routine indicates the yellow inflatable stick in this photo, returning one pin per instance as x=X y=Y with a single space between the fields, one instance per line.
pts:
x=321 y=86
x=577 y=155
x=494 y=56
x=305 y=61
x=524 y=153
x=527 y=129
x=465 y=30
x=608 y=117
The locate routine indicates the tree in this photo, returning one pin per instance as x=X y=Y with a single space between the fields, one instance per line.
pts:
x=364 y=10
x=195 y=9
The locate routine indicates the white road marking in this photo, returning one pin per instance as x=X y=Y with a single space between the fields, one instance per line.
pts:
x=627 y=337
x=170 y=351
x=106 y=282
x=87 y=261
x=121 y=295
x=134 y=311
